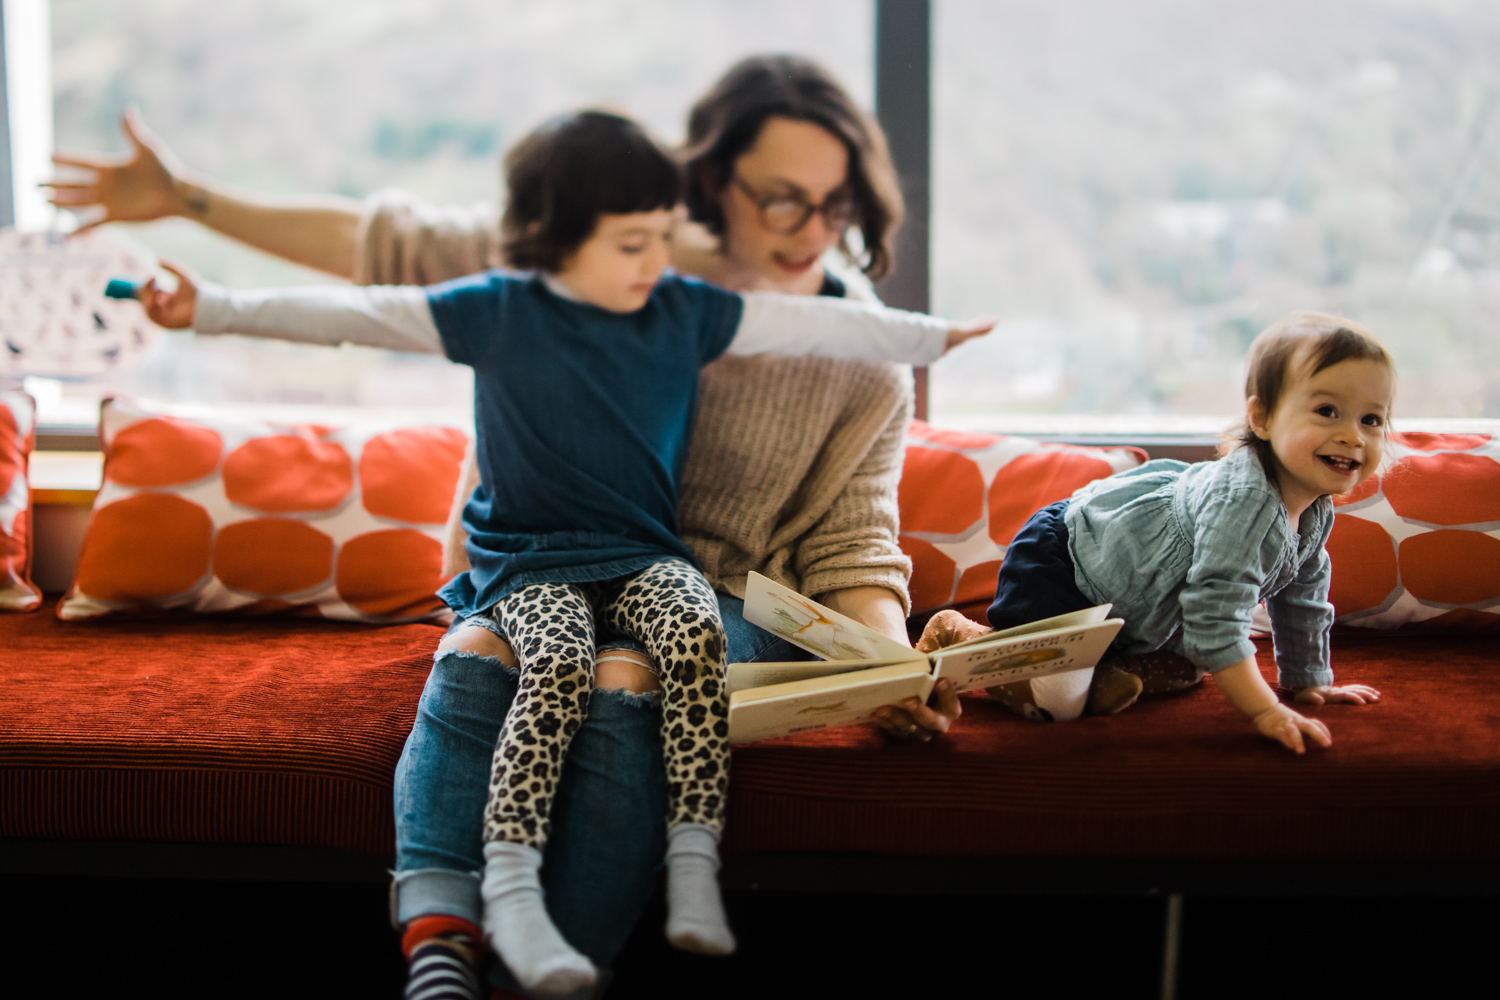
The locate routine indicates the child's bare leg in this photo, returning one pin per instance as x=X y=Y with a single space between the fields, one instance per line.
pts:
x=625 y=670
x=551 y=629
x=671 y=608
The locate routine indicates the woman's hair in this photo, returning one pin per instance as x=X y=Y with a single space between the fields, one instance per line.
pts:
x=1329 y=339
x=570 y=170
x=727 y=120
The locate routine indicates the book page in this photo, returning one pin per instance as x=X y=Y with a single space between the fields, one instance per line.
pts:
x=1024 y=656
x=808 y=625
x=743 y=676
x=823 y=703
x=1073 y=619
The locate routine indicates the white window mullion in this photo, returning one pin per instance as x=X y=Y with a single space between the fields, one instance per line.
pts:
x=28 y=89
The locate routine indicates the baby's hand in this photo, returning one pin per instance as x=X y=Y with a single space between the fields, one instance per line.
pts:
x=1286 y=727
x=967 y=330
x=175 y=309
x=1345 y=694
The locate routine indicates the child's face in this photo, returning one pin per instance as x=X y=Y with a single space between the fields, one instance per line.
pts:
x=619 y=264
x=1328 y=430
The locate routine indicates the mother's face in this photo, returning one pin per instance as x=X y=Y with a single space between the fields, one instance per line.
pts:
x=790 y=161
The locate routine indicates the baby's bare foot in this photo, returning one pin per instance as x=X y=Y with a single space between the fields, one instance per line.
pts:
x=948 y=627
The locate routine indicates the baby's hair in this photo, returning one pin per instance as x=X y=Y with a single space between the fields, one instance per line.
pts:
x=1329 y=339
x=569 y=171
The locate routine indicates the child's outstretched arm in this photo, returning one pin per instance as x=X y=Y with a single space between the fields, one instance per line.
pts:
x=1248 y=691
x=392 y=317
x=837 y=328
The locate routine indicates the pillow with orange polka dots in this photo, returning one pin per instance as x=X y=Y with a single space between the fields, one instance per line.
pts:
x=222 y=514
x=964 y=497
x=17 y=434
x=1417 y=546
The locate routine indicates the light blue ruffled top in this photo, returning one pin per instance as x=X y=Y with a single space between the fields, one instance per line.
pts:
x=1185 y=553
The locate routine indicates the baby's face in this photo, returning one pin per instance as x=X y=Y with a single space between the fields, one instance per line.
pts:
x=621 y=261
x=1328 y=431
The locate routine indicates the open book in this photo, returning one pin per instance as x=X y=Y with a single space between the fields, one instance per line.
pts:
x=862 y=670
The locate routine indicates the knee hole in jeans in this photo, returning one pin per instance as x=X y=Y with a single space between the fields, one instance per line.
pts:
x=480 y=641
x=626 y=670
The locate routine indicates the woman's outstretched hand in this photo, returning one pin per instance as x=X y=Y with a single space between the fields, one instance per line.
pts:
x=137 y=186
x=968 y=330
x=175 y=309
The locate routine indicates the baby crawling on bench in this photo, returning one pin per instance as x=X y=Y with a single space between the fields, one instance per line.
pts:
x=1186 y=552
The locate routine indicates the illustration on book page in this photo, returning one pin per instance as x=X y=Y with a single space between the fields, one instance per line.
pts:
x=806 y=623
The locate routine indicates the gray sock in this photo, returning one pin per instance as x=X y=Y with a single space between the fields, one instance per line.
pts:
x=516 y=922
x=695 y=909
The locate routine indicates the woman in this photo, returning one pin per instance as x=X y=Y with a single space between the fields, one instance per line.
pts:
x=792 y=470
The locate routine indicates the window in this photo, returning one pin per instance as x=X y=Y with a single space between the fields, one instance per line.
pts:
x=1139 y=186
x=351 y=96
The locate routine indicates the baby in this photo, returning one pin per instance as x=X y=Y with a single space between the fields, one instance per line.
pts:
x=1186 y=552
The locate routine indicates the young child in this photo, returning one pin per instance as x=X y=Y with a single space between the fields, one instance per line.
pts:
x=1186 y=552
x=586 y=373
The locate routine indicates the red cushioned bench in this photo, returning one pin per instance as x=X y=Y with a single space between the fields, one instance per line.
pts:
x=267 y=747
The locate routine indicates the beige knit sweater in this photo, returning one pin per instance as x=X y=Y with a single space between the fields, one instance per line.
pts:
x=794 y=462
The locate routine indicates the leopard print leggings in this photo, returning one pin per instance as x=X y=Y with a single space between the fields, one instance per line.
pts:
x=670 y=608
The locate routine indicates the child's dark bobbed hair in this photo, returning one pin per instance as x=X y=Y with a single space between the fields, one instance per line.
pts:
x=1328 y=339
x=569 y=171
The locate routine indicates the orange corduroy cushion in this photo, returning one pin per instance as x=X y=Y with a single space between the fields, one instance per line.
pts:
x=964 y=497
x=17 y=434
x=223 y=514
x=1418 y=545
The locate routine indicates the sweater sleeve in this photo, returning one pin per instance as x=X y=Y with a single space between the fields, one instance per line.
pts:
x=855 y=543
x=392 y=317
x=817 y=324
x=400 y=241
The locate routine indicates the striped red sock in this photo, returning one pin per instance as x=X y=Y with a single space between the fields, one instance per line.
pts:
x=434 y=925
x=442 y=958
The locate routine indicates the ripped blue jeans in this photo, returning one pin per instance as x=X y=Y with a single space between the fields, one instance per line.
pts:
x=608 y=820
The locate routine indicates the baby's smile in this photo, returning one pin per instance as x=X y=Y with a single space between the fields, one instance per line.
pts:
x=1339 y=463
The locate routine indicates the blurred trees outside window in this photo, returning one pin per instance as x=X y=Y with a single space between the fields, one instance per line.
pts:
x=1136 y=187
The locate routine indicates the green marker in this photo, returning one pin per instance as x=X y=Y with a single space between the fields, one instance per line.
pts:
x=121 y=288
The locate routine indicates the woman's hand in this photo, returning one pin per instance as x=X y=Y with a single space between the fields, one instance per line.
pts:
x=968 y=330
x=135 y=187
x=881 y=610
x=148 y=183
x=1287 y=728
x=913 y=721
x=1329 y=694
x=175 y=309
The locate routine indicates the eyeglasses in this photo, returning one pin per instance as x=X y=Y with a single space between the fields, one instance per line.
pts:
x=788 y=213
